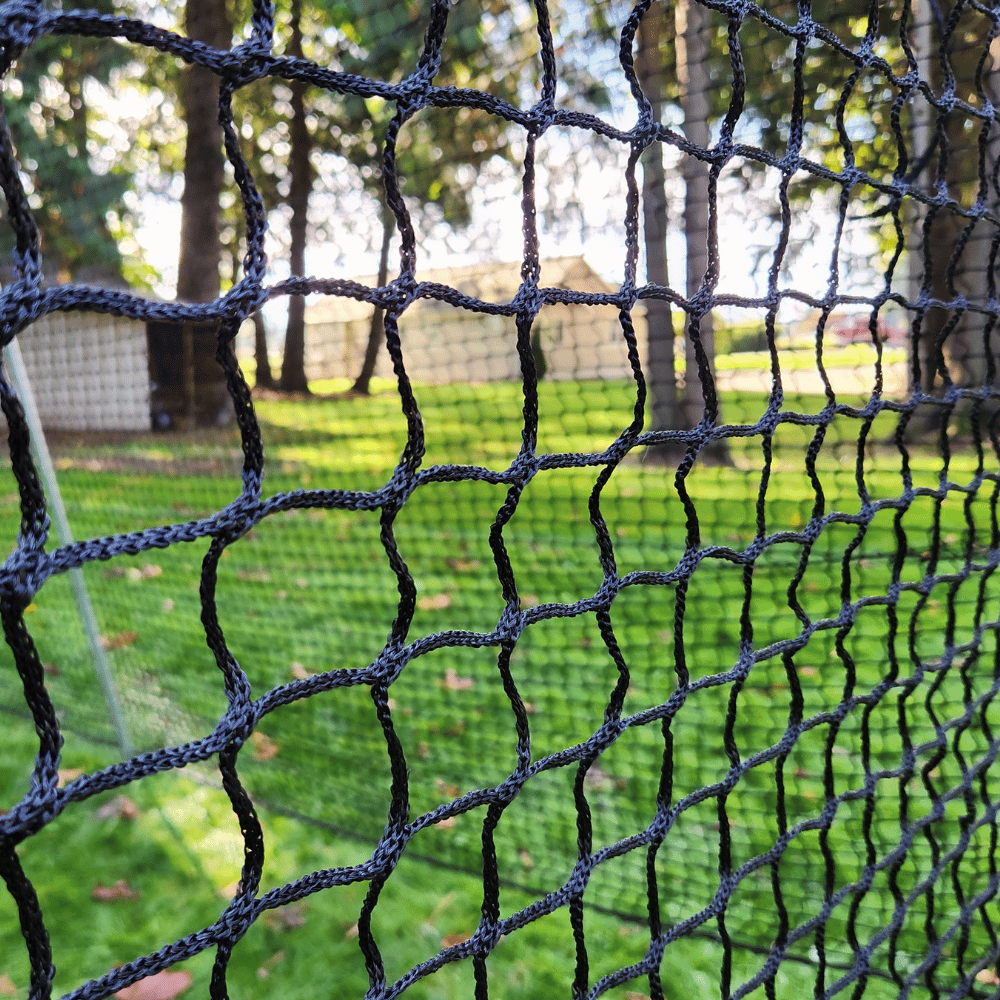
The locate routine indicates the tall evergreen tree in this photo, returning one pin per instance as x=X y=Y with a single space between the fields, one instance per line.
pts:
x=661 y=369
x=293 y=371
x=198 y=278
x=676 y=48
x=850 y=115
x=78 y=201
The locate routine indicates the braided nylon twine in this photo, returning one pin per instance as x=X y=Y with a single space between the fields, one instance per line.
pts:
x=941 y=786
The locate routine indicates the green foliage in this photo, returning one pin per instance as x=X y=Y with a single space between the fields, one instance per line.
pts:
x=76 y=174
x=439 y=151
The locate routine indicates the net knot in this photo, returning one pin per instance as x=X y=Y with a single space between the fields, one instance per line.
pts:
x=398 y=294
x=21 y=303
x=246 y=296
x=529 y=298
x=510 y=624
x=522 y=470
x=23 y=573
x=486 y=938
x=21 y=22
x=388 y=665
x=253 y=58
x=394 y=494
x=235 y=520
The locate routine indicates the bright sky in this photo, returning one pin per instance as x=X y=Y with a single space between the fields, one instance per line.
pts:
x=597 y=187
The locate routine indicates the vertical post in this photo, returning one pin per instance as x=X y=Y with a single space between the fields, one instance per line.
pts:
x=692 y=47
x=922 y=41
x=661 y=365
x=22 y=385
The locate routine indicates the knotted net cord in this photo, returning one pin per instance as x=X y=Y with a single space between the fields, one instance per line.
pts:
x=936 y=931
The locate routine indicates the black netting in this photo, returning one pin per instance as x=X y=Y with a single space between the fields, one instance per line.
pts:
x=740 y=631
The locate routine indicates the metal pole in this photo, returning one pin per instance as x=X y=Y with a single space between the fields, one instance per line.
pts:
x=22 y=384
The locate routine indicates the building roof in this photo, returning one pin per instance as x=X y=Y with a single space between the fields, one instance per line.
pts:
x=491 y=281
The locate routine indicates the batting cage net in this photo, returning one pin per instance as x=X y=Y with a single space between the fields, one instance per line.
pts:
x=664 y=593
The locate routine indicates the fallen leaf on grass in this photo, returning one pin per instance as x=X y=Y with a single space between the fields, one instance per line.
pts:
x=228 y=891
x=462 y=565
x=452 y=682
x=7 y=987
x=988 y=976
x=436 y=603
x=120 y=641
x=285 y=918
x=529 y=601
x=113 y=893
x=151 y=570
x=351 y=932
x=298 y=671
x=163 y=985
x=447 y=789
x=449 y=940
x=51 y=670
x=168 y=605
x=113 y=573
x=68 y=774
x=596 y=778
x=264 y=972
x=253 y=575
x=447 y=823
x=525 y=859
x=264 y=748
x=636 y=996
x=120 y=807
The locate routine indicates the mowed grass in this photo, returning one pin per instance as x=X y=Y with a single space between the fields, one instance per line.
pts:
x=310 y=591
x=176 y=852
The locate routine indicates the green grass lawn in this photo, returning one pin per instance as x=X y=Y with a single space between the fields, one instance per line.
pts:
x=310 y=591
x=176 y=850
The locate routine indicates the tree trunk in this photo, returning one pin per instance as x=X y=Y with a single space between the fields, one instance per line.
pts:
x=692 y=25
x=263 y=377
x=376 y=332
x=293 y=363
x=660 y=366
x=962 y=352
x=198 y=266
x=965 y=350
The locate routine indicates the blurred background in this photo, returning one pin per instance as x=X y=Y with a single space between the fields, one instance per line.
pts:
x=807 y=203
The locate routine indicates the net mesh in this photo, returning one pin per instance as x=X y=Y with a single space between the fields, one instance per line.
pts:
x=767 y=715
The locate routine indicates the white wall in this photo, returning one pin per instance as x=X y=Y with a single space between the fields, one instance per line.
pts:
x=89 y=372
x=442 y=344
